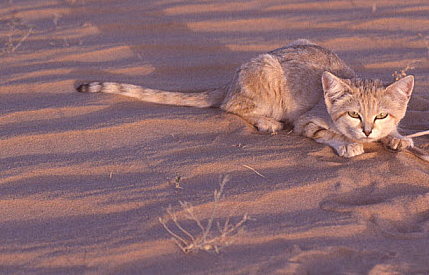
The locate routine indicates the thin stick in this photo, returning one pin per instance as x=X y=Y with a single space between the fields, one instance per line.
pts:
x=248 y=167
x=233 y=228
x=217 y=195
x=418 y=153
x=30 y=30
x=418 y=134
x=174 y=218
x=171 y=232
x=189 y=209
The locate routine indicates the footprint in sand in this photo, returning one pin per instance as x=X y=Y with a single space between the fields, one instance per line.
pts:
x=399 y=212
x=338 y=260
x=332 y=260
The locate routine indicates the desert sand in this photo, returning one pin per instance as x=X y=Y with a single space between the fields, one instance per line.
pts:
x=84 y=178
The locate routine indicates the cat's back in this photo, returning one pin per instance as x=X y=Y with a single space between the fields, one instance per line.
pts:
x=283 y=84
x=303 y=64
x=304 y=55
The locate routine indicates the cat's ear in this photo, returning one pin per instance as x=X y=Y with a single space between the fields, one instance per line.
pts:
x=334 y=88
x=402 y=88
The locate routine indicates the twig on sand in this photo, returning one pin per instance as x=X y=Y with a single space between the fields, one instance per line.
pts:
x=417 y=151
x=418 y=134
x=254 y=170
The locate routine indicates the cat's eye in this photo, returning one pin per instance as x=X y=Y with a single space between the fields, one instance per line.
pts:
x=381 y=115
x=354 y=114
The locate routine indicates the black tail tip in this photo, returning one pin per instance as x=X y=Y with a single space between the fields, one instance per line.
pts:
x=83 y=88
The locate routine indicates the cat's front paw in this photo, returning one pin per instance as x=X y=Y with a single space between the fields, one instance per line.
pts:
x=397 y=143
x=349 y=150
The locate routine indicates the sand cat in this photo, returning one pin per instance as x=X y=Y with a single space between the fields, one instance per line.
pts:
x=303 y=85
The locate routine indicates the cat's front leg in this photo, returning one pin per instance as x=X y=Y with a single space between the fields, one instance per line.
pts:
x=343 y=146
x=397 y=142
x=347 y=150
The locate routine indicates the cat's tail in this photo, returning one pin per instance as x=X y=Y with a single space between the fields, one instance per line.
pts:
x=203 y=99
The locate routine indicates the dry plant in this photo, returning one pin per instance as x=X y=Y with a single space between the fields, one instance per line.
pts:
x=17 y=34
x=177 y=182
x=397 y=75
x=55 y=20
x=403 y=73
x=188 y=243
x=414 y=63
x=74 y=2
x=426 y=40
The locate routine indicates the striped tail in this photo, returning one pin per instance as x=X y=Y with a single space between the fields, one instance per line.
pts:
x=204 y=99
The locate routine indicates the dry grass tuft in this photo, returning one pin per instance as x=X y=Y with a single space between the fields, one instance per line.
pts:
x=188 y=243
x=414 y=63
x=426 y=40
x=18 y=33
x=403 y=73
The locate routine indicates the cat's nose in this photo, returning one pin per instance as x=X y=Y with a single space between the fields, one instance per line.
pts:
x=367 y=132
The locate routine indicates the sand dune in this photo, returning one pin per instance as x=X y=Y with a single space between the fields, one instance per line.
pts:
x=85 y=177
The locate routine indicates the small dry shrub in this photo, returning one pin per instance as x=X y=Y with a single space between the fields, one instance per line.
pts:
x=18 y=33
x=205 y=240
x=403 y=72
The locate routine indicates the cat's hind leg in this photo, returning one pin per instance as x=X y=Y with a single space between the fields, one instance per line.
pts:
x=264 y=124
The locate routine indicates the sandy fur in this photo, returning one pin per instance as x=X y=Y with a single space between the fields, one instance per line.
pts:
x=301 y=84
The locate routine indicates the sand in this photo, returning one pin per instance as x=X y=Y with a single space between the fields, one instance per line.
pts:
x=85 y=177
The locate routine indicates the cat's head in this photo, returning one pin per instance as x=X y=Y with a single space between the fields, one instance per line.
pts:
x=365 y=110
